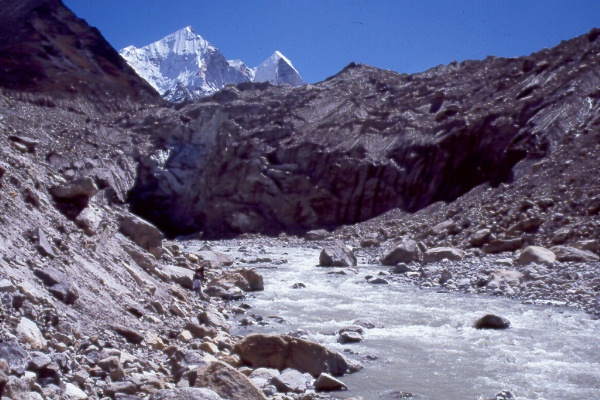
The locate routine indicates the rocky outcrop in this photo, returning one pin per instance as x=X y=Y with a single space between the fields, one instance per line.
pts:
x=43 y=50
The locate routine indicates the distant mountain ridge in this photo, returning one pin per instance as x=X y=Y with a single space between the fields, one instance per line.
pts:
x=184 y=66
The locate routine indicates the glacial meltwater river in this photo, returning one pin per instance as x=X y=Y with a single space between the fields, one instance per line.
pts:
x=426 y=344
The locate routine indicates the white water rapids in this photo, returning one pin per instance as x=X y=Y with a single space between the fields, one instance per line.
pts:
x=426 y=344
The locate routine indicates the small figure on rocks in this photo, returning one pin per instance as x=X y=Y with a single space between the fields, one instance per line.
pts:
x=199 y=281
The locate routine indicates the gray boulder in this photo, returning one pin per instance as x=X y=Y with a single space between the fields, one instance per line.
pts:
x=566 y=253
x=15 y=355
x=143 y=233
x=58 y=284
x=85 y=187
x=537 y=255
x=439 y=253
x=403 y=251
x=337 y=255
x=291 y=380
x=327 y=383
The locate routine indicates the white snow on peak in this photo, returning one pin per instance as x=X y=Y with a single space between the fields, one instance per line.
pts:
x=278 y=70
x=184 y=65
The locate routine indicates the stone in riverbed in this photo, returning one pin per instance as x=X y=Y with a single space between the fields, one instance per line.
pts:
x=337 y=255
x=401 y=269
x=439 y=253
x=327 y=383
x=281 y=352
x=491 y=321
x=262 y=377
x=536 y=254
x=349 y=337
x=445 y=277
x=403 y=251
x=378 y=281
x=291 y=380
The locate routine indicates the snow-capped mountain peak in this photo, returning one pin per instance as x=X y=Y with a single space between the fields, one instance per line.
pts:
x=183 y=65
x=278 y=70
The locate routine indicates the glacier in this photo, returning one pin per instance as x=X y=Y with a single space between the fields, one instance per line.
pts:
x=184 y=66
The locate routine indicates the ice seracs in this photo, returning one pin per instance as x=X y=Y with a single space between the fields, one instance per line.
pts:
x=184 y=66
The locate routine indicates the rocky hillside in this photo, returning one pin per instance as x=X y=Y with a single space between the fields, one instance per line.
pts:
x=258 y=158
x=46 y=50
x=93 y=303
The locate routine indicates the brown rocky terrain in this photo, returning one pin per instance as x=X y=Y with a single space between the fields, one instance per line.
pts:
x=95 y=304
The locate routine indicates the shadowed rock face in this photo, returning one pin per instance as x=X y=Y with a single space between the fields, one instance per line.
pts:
x=45 y=48
x=257 y=158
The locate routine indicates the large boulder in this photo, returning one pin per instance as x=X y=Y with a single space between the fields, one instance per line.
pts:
x=254 y=279
x=405 y=250
x=537 y=255
x=182 y=276
x=143 y=233
x=337 y=254
x=566 y=253
x=226 y=381
x=215 y=258
x=439 y=253
x=281 y=352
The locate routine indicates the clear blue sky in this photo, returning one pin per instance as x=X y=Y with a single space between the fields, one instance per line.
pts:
x=320 y=37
